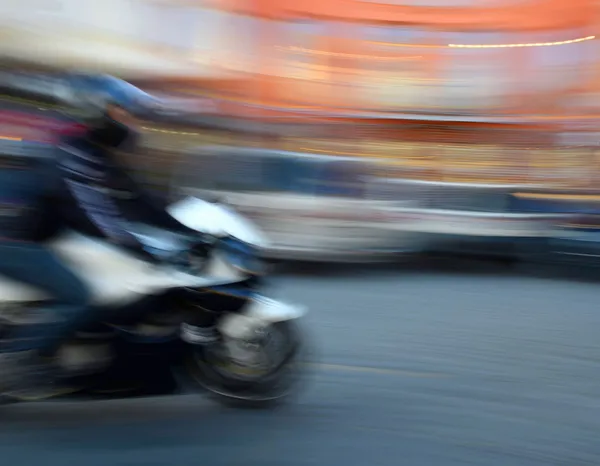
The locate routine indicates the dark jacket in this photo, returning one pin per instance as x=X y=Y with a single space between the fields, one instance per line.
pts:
x=99 y=197
x=26 y=181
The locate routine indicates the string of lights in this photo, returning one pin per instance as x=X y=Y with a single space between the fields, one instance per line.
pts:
x=535 y=44
x=488 y=46
x=391 y=44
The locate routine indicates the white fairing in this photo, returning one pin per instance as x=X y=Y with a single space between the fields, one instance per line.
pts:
x=114 y=276
x=117 y=277
x=216 y=219
x=259 y=314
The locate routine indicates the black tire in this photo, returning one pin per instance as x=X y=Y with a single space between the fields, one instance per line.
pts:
x=278 y=386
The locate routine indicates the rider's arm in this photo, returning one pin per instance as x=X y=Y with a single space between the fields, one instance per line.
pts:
x=147 y=208
x=85 y=176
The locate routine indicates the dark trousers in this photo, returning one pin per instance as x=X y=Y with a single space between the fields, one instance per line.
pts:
x=69 y=305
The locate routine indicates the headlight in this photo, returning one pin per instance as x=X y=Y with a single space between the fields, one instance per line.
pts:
x=243 y=256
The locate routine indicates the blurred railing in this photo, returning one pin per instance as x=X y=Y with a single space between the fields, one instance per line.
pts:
x=313 y=200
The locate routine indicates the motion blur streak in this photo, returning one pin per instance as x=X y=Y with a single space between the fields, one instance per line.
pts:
x=415 y=135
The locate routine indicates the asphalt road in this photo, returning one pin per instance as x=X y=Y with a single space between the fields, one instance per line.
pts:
x=416 y=366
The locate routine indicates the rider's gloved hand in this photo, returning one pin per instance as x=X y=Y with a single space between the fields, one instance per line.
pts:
x=203 y=242
x=193 y=258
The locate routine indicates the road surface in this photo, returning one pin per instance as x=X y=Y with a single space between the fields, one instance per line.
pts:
x=417 y=365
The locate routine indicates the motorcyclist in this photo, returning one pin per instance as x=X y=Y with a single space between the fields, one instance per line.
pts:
x=100 y=197
x=88 y=194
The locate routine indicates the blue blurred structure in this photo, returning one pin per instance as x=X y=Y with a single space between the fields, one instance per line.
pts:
x=577 y=238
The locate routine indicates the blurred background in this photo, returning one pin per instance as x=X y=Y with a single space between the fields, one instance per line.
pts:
x=417 y=125
x=413 y=124
x=357 y=131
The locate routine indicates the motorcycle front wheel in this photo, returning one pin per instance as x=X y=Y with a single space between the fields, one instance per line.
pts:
x=261 y=374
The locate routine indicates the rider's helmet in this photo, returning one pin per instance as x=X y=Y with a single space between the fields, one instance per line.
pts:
x=105 y=103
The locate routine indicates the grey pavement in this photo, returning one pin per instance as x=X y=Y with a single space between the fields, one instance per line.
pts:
x=455 y=364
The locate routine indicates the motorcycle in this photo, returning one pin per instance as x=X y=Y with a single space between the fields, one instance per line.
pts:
x=145 y=339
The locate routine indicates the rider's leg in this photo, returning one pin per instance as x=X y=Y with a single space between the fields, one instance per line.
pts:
x=36 y=265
